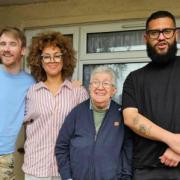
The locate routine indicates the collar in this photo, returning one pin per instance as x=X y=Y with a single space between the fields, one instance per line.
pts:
x=66 y=83
x=91 y=105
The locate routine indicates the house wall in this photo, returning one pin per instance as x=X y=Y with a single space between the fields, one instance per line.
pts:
x=68 y=12
x=64 y=12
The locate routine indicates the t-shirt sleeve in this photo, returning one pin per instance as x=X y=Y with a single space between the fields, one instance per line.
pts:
x=30 y=114
x=129 y=93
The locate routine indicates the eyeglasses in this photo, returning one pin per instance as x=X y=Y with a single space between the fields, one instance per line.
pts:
x=105 y=84
x=11 y=44
x=47 y=58
x=155 y=33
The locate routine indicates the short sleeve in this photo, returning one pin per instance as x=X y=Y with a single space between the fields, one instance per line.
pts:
x=129 y=93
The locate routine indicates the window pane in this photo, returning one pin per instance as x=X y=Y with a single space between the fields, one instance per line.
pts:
x=115 y=41
x=121 y=70
x=178 y=40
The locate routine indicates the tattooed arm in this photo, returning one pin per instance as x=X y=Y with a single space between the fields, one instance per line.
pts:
x=146 y=128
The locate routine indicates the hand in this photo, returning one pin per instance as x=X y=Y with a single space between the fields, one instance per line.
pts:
x=170 y=158
x=76 y=83
x=174 y=142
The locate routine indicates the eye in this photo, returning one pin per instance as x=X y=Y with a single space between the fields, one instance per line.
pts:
x=168 y=31
x=2 y=43
x=106 y=84
x=153 y=32
x=57 y=56
x=46 y=57
x=96 y=82
x=13 y=44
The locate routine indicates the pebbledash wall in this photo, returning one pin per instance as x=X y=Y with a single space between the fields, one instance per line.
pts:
x=65 y=12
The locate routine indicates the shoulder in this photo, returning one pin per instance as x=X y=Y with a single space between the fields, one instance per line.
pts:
x=27 y=77
x=82 y=106
x=26 y=74
x=141 y=70
x=35 y=87
x=74 y=86
x=80 y=109
x=77 y=90
x=114 y=105
x=137 y=75
x=85 y=104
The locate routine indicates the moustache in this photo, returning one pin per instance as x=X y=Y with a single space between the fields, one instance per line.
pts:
x=6 y=53
x=162 y=43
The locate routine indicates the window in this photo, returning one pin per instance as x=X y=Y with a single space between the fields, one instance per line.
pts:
x=118 y=41
x=121 y=70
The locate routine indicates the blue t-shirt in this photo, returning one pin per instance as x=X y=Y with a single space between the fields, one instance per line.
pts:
x=13 y=90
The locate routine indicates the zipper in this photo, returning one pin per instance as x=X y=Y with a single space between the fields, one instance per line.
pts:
x=91 y=169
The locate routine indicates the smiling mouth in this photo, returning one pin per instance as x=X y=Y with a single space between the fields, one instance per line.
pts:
x=52 y=66
x=162 y=45
x=100 y=94
x=6 y=55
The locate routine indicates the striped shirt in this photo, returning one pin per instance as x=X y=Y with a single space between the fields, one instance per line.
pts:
x=46 y=114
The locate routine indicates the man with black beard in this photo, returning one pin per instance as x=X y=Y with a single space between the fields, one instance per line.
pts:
x=160 y=59
x=151 y=103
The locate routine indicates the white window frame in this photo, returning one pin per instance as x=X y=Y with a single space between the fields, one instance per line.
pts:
x=109 y=27
x=80 y=32
x=109 y=58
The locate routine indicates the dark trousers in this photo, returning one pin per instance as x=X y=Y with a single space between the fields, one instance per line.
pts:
x=157 y=174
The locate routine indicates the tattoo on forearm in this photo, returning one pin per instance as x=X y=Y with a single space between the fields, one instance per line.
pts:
x=143 y=129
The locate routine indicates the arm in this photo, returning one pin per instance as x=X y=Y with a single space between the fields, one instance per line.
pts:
x=30 y=114
x=62 y=148
x=146 y=128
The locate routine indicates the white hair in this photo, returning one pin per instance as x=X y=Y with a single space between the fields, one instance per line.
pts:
x=104 y=69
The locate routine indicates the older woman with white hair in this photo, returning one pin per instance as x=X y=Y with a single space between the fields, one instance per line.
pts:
x=92 y=143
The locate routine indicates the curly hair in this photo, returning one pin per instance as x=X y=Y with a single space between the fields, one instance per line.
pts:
x=54 y=39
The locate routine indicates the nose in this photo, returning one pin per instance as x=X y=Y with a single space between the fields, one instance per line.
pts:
x=101 y=86
x=161 y=36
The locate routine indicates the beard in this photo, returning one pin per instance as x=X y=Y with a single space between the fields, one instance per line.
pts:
x=162 y=59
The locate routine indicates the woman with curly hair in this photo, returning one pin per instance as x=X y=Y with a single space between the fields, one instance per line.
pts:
x=52 y=61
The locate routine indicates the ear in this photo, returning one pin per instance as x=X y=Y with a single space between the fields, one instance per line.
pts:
x=23 y=51
x=114 y=90
x=177 y=34
x=145 y=38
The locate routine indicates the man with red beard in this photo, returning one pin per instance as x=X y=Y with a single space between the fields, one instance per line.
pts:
x=14 y=84
x=151 y=103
